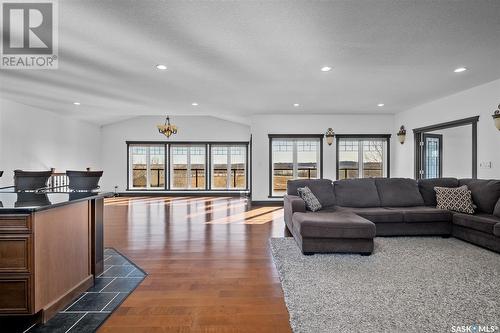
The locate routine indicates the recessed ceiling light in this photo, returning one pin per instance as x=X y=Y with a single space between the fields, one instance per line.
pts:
x=76 y=103
x=194 y=104
x=326 y=68
x=380 y=104
x=161 y=67
x=460 y=69
x=296 y=105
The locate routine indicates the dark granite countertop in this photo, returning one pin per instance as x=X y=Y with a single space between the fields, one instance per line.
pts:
x=28 y=202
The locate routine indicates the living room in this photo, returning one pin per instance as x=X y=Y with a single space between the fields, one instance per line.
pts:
x=250 y=166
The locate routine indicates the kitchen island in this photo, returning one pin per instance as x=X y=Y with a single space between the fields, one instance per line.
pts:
x=51 y=248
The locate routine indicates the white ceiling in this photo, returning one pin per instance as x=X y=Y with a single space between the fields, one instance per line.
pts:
x=242 y=58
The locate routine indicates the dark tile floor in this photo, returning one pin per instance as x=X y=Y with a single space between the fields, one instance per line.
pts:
x=90 y=310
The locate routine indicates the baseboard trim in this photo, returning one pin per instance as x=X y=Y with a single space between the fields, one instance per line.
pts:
x=180 y=194
x=53 y=308
x=267 y=203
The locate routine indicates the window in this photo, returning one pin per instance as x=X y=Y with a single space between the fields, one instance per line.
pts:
x=147 y=165
x=188 y=167
x=229 y=167
x=362 y=156
x=293 y=157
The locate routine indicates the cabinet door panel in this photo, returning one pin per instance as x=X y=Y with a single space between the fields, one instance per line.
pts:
x=15 y=291
x=15 y=253
x=15 y=223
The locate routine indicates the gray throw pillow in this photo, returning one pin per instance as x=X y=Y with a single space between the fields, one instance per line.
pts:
x=458 y=199
x=312 y=203
x=496 y=212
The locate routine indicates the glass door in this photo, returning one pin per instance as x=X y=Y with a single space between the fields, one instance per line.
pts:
x=433 y=157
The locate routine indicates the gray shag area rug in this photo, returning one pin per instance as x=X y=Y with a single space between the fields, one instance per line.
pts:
x=408 y=284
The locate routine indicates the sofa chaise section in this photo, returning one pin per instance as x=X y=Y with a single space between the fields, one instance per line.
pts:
x=340 y=232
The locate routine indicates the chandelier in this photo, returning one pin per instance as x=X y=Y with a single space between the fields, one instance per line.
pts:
x=167 y=129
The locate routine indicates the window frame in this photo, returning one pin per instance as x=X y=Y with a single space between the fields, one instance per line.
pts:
x=228 y=165
x=189 y=154
x=148 y=165
x=386 y=137
x=208 y=173
x=292 y=137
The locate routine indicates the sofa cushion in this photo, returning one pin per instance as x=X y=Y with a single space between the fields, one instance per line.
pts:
x=485 y=193
x=458 y=199
x=332 y=225
x=481 y=222
x=424 y=214
x=312 y=203
x=321 y=188
x=292 y=204
x=426 y=188
x=398 y=192
x=376 y=214
x=496 y=230
x=496 y=211
x=356 y=193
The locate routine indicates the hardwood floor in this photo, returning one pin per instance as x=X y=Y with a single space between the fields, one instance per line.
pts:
x=209 y=264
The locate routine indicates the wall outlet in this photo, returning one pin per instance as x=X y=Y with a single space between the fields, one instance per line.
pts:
x=485 y=165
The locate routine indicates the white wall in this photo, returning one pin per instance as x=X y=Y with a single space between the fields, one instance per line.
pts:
x=191 y=128
x=481 y=100
x=35 y=139
x=262 y=125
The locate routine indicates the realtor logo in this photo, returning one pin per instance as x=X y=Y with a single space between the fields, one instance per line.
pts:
x=29 y=35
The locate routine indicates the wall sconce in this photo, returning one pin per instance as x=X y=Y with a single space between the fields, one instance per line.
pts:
x=496 y=117
x=329 y=136
x=402 y=134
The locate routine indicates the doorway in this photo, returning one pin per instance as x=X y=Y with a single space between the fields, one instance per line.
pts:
x=433 y=155
x=447 y=150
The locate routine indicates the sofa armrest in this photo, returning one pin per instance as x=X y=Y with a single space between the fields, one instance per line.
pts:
x=292 y=204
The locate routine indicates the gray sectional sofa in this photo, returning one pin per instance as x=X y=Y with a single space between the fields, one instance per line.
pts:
x=355 y=211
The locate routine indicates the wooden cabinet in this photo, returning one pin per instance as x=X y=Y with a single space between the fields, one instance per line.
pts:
x=15 y=253
x=16 y=264
x=33 y=250
x=49 y=254
x=15 y=224
x=16 y=294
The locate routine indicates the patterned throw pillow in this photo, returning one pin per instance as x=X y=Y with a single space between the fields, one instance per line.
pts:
x=458 y=199
x=312 y=203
